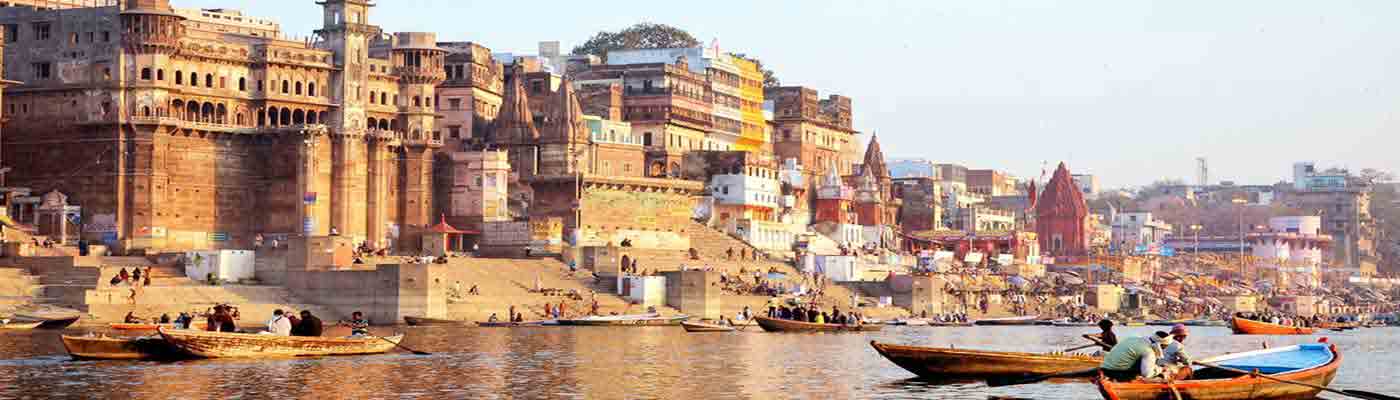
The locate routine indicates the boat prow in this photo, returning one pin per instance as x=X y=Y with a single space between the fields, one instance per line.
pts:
x=704 y=327
x=425 y=321
x=110 y=348
x=243 y=345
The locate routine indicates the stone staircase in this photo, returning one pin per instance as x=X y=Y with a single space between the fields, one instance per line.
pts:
x=17 y=287
x=510 y=282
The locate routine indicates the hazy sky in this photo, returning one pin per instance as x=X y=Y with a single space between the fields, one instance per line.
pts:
x=1132 y=91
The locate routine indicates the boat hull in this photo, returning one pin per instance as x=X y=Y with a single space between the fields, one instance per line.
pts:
x=658 y=321
x=424 y=321
x=20 y=326
x=1243 y=387
x=109 y=348
x=960 y=364
x=1243 y=326
x=509 y=324
x=703 y=327
x=1007 y=321
x=783 y=325
x=50 y=323
x=133 y=327
x=245 y=345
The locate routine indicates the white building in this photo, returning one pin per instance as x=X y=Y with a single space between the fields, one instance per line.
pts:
x=1306 y=177
x=1134 y=229
x=1293 y=247
x=749 y=206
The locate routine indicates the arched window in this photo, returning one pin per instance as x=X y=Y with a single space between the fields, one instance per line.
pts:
x=160 y=74
x=383 y=97
x=179 y=78
x=242 y=84
x=146 y=74
x=298 y=117
x=208 y=80
x=145 y=111
x=298 y=89
x=311 y=89
x=417 y=101
x=262 y=117
x=286 y=117
x=321 y=116
x=311 y=117
x=238 y=119
x=194 y=79
x=286 y=85
x=373 y=98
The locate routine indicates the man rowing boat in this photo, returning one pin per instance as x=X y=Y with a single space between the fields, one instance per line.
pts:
x=1135 y=357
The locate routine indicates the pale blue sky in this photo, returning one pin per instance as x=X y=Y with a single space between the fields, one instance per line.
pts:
x=1129 y=90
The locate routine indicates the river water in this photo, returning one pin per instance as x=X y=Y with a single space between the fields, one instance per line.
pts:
x=621 y=362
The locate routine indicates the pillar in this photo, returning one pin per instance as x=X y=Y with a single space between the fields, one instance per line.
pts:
x=349 y=186
x=376 y=205
x=417 y=190
x=309 y=181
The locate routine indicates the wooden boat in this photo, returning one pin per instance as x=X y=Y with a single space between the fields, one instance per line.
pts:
x=1205 y=322
x=110 y=348
x=51 y=323
x=1339 y=325
x=504 y=324
x=961 y=364
x=19 y=326
x=228 y=345
x=1243 y=326
x=783 y=325
x=704 y=327
x=425 y=321
x=1026 y=320
x=908 y=322
x=626 y=320
x=1067 y=323
x=133 y=327
x=1314 y=363
x=949 y=324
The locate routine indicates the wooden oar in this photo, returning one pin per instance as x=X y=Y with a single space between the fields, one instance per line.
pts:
x=1080 y=347
x=1346 y=392
x=421 y=353
x=1025 y=380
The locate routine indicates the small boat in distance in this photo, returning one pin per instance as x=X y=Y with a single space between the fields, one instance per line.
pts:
x=651 y=319
x=1026 y=320
x=53 y=323
x=783 y=325
x=1314 y=363
x=705 y=327
x=947 y=364
x=1243 y=326
x=504 y=324
x=252 y=345
x=110 y=348
x=425 y=321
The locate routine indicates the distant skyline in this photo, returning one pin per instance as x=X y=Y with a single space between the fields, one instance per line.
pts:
x=1130 y=91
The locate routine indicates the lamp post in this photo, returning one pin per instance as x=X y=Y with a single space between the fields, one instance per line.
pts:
x=1239 y=202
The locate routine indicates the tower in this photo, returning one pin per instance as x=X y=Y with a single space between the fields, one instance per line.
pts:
x=833 y=199
x=418 y=63
x=1202 y=174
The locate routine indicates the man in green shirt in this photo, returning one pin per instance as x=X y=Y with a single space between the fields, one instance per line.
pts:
x=1135 y=357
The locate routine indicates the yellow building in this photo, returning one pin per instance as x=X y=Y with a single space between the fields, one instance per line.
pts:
x=754 y=133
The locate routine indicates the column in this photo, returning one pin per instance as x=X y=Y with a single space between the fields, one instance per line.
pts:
x=375 y=205
x=348 y=184
x=312 y=223
x=417 y=186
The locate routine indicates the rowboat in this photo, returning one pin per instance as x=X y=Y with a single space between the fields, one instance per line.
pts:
x=960 y=364
x=1314 y=363
x=1205 y=322
x=133 y=327
x=626 y=320
x=110 y=348
x=503 y=324
x=704 y=327
x=949 y=324
x=783 y=325
x=232 y=345
x=425 y=321
x=18 y=326
x=1243 y=326
x=48 y=322
x=908 y=322
x=1026 y=320
x=1067 y=323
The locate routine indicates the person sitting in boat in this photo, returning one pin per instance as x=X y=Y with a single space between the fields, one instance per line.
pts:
x=131 y=318
x=309 y=325
x=493 y=318
x=1175 y=360
x=1135 y=357
x=1106 y=338
x=165 y=318
x=359 y=326
x=279 y=324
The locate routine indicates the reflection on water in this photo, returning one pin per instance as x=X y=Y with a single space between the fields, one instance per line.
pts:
x=610 y=363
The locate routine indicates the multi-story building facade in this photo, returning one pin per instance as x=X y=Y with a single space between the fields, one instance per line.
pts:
x=990 y=182
x=470 y=97
x=754 y=132
x=1294 y=248
x=921 y=207
x=668 y=105
x=1137 y=230
x=986 y=219
x=1088 y=185
x=735 y=87
x=1346 y=217
x=816 y=132
x=201 y=134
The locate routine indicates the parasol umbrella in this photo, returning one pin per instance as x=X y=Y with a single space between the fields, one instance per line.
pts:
x=1017 y=281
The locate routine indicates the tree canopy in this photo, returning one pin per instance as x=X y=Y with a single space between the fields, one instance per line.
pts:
x=648 y=35
x=643 y=35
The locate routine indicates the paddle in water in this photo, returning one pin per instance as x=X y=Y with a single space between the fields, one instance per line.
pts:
x=1345 y=392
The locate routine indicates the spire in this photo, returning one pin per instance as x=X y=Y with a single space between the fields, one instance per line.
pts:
x=569 y=122
x=875 y=159
x=515 y=124
x=1061 y=197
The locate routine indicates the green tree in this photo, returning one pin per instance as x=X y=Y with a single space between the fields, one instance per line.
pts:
x=770 y=80
x=643 y=35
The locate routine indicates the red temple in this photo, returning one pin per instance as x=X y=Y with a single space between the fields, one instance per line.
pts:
x=1060 y=212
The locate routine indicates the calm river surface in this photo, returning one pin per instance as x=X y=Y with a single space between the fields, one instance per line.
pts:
x=617 y=363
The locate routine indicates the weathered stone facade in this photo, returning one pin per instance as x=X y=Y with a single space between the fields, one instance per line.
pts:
x=189 y=135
